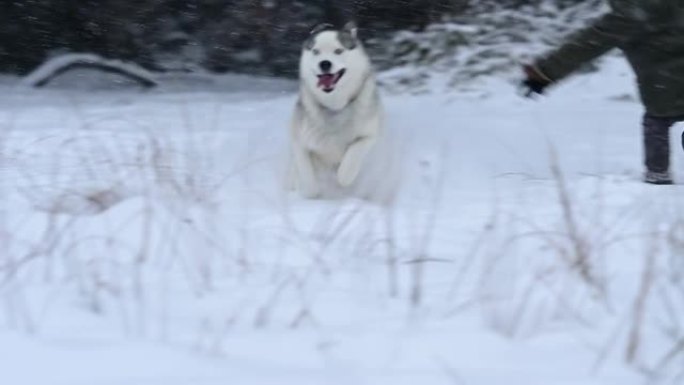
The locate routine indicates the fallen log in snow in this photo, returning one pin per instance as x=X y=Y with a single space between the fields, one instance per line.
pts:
x=64 y=63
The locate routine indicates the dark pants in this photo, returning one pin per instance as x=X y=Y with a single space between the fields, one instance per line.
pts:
x=657 y=141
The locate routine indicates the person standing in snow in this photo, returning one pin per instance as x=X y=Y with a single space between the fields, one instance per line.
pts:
x=651 y=34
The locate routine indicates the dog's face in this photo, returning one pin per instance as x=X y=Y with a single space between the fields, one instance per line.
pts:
x=330 y=58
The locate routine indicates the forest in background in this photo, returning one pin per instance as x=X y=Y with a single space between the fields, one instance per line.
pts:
x=246 y=36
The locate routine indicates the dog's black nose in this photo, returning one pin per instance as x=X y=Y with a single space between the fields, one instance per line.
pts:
x=325 y=65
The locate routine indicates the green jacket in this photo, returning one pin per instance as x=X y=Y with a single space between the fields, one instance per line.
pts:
x=650 y=33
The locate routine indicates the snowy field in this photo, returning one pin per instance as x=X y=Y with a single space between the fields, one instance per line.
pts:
x=145 y=239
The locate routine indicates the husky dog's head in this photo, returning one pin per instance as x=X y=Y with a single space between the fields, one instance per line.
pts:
x=333 y=61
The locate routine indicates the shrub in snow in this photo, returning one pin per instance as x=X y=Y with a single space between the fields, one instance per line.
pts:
x=484 y=41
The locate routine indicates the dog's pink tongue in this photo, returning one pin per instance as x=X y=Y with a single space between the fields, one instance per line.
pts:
x=326 y=80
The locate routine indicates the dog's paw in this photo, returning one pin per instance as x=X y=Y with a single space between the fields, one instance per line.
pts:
x=290 y=181
x=309 y=191
x=347 y=173
x=310 y=194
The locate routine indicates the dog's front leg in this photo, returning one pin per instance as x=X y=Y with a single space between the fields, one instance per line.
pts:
x=305 y=173
x=353 y=159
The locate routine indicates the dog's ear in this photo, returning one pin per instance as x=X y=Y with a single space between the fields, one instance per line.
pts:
x=309 y=43
x=348 y=36
x=351 y=28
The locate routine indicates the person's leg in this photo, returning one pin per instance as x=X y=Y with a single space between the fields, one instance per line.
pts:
x=657 y=149
x=680 y=120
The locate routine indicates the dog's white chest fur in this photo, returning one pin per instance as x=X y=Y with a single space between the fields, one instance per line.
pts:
x=329 y=135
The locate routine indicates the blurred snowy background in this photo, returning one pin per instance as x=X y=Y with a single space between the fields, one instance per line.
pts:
x=145 y=238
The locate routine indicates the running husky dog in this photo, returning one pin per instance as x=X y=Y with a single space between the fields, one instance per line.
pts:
x=338 y=117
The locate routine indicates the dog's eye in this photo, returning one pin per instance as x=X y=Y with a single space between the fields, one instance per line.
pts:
x=339 y=51
x=316 y=51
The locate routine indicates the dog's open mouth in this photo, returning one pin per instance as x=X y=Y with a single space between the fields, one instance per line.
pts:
x=327 y=82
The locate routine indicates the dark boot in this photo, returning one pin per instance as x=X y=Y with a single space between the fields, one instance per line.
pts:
x=654 y=177
x=657 y=149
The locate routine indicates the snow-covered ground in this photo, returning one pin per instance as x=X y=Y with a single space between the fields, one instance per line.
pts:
x=145 y=239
